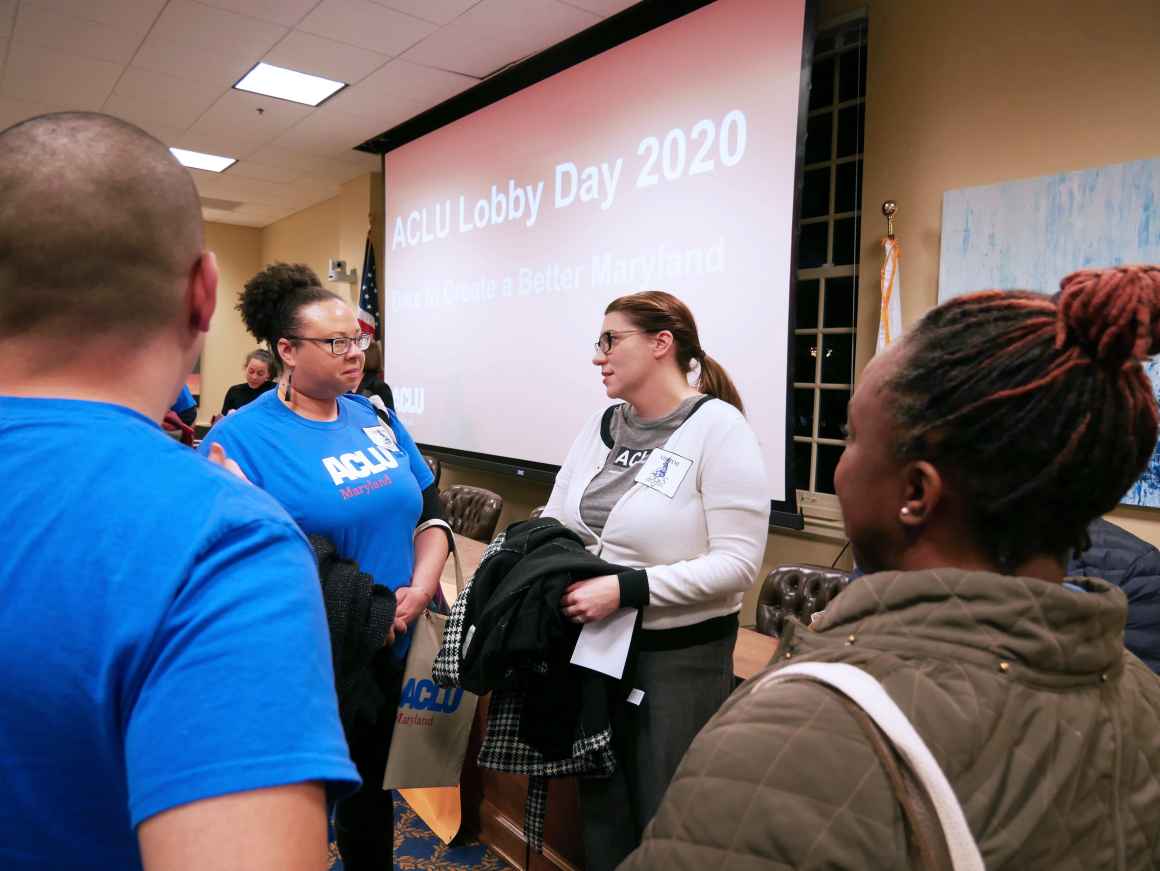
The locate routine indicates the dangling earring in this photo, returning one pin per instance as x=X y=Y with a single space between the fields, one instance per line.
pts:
x=905 y=511
x=289 y=377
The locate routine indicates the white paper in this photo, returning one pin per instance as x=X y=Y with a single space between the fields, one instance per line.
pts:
x=603 y=645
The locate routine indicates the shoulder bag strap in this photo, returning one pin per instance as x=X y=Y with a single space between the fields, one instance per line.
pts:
x=938 y=835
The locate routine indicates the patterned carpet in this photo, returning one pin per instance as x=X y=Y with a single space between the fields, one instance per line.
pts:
x=417 y=847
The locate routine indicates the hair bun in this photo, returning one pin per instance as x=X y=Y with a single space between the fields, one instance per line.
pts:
x=263 y=301
x=1114 y=314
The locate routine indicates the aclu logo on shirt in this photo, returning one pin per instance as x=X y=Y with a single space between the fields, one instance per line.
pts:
x=356 y=465
x=626 y=459
x=664 y=471
x=409 y=400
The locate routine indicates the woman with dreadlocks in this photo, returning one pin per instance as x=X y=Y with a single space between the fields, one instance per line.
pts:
x=980 y=447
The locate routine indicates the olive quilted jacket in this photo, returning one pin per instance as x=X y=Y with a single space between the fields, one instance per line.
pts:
x=1048 y=730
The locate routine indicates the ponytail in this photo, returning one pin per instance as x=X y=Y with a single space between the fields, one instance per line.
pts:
x=715 y=381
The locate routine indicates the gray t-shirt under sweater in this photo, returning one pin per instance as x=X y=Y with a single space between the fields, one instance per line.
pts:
x=633 y=440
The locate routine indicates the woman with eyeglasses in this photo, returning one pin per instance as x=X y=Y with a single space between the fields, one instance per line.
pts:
x=670 y=481
x=344 y=473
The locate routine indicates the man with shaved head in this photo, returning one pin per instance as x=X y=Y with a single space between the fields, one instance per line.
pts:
x=167 y=700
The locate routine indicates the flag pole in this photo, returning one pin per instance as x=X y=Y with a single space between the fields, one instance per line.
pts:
x=888 y=209
x=890 y=311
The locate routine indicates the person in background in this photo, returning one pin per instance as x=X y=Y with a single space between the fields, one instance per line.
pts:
x=670 y=481
x=168 y=699
x=1133 y=565
x=259 y=367
x=980 y=448
x=346 y=474
x=372 y=385
x=185 y=406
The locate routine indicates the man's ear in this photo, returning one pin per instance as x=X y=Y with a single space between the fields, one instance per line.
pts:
x=202 y=291
x=924 y=491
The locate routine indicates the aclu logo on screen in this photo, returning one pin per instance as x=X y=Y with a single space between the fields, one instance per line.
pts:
x=409 y=400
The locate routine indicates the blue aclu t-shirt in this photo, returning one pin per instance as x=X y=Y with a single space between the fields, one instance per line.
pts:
x=162 y=637
x=352 y=479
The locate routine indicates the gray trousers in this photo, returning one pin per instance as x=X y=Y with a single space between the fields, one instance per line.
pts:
x=682 y=690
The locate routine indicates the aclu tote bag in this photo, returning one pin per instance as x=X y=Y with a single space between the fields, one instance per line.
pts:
x=433 y=723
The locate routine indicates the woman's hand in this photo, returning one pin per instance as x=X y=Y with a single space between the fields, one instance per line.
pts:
x=590 y=600
x=410 y=602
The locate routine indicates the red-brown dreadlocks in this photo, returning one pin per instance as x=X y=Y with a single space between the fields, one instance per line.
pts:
x=1037 y=410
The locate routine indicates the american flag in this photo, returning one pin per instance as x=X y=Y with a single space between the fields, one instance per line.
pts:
x=368 y=296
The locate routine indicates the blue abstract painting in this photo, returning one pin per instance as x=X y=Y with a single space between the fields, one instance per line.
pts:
x=1028 y=234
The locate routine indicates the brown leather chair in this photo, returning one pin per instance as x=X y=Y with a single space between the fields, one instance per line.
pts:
x=435 y=466
x=796 y=591
x=471 y=511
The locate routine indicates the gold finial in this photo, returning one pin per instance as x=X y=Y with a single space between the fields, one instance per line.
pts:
x=888 y=209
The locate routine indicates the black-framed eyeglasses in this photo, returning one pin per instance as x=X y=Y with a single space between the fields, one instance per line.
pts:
x=340 y=345
x=609 y=338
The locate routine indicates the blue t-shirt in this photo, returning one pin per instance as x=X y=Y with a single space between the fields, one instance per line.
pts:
x=351 y=479
x=162 y=637
x=184 y=400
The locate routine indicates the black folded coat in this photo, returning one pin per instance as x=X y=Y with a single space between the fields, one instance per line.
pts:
x=359 y=614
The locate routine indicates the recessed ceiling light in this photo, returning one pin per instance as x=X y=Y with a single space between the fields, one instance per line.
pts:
x=287 y=84
x=197 y=160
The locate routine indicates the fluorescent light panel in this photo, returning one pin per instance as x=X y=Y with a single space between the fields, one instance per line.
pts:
x=197 y=160
x=287 y=84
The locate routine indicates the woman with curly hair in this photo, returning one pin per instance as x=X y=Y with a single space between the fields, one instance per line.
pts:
x=343 y=472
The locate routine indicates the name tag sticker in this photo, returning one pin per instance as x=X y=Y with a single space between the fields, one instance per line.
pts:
x=382 y=437
x=664 y=471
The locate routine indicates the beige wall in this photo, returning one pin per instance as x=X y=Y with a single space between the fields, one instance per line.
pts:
x=974 y=92
x=238 y=251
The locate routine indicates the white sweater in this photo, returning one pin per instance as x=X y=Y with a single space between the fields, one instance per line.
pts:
x=702 y=546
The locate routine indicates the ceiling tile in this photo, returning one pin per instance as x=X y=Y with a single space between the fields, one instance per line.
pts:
x=38 y=74
x=367 y=25
x=484 y=39
x=237 y=113
x=246 y=39
x=306 y=164
x=285 y=12
x=408 y=81
x=361 y=159
x=14 y=111
x=76 y=36
x=264 y=172
x=228 y=143
x=134 y=16
x=192 y=63
x=7 y=14
x=383 y=109
x=145 y=97
x=439 y=11
x=328 y=130
x=601 y=7
x=319 y=56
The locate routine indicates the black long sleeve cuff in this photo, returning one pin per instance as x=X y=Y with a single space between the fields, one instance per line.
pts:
x=633 y=588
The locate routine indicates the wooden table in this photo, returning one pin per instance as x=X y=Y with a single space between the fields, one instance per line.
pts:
x=492 y=802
